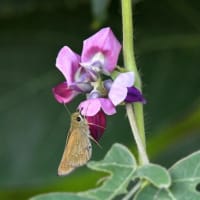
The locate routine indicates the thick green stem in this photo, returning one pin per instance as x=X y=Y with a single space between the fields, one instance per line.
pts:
x=128 y=42
x=130 y=63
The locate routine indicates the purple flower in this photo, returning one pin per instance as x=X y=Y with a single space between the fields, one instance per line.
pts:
x=100 y=54
x=83 y=74
x=91 y=107
x=63 y=94
x=100 y=51
x=122 y=89
x=97 y=124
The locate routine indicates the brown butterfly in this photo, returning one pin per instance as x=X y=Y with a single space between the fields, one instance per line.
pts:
x=78 y=148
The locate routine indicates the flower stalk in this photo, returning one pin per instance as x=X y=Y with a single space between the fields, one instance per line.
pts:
x=142 y=151
x=130 y=63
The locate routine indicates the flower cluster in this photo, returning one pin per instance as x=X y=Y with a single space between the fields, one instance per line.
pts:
x=91 y=73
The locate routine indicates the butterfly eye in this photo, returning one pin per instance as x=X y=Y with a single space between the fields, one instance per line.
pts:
x=78 y=119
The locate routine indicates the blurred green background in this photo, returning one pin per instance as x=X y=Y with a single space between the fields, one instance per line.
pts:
x=33 y=126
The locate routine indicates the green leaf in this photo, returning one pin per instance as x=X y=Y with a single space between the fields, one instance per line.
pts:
x=152 y=193
x=185 y=176
x=156 y=174
x=119 y=162
x=59 y=196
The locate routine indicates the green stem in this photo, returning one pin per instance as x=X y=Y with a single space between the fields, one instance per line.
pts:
x=128 y=42
x=130 y=63
x=141 y=148
x=134 y=189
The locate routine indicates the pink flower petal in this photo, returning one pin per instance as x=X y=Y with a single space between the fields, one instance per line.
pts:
x=90 y=107
x=103 y=41
x=124 y=80
x=107 y=106
x=63 y=94
x=118 y=90
x=68 y=62
x=117 y=94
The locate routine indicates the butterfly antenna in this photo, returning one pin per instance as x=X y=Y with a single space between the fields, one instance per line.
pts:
x=95 y=141
x=96 y=125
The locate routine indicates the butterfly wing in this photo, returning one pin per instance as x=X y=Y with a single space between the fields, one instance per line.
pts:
x=76 y=153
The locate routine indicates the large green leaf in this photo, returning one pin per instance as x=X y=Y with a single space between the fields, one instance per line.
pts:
x=185 y=179
x=119 y=163
x=186 y=176
x=59 y=196
x=155 y=174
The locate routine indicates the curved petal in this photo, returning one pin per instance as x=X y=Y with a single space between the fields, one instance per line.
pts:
x=90 y=107
x=107 y=106
x=67 y=62
x=134 y=95
x=124 y=80
x=118 y=90
x=105 y=42
x=63 y=94
x=117 y=94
